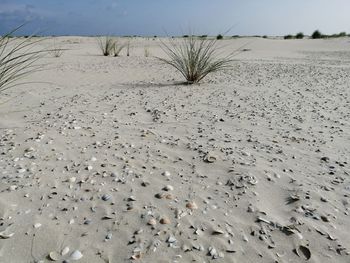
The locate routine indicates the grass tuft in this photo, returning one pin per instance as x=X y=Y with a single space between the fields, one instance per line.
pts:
x=106 y=45
x=194 y=57
x=18 y=57
x=117 y=48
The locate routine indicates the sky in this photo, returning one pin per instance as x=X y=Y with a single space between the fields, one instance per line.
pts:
x=174 y=17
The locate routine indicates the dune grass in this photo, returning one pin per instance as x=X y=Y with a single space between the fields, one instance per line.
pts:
x=106 y=45
x=18 y=57
x=195 y=58
x=118 y=47
x=56 y=51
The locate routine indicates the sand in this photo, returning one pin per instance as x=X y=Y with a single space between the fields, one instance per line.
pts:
x=113 y=159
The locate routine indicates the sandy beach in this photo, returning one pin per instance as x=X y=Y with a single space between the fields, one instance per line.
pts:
x=114 y=159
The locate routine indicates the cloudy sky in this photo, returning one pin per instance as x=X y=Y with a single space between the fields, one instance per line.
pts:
x=154 y=17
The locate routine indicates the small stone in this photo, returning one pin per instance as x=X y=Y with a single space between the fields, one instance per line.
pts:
x=108 y=236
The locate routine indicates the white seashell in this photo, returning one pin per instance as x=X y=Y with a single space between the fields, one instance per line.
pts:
x=37 y=225
x=54 y=256
x=72 y=179
x=65 y=251
x=5 y=236
x=76 y=255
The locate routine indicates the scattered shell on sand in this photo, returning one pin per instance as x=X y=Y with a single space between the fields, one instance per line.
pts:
x=54 y=256
x=192 y=205
x=3 y=235
x=152 y=222
x=76 y=255
x=210 y=158
x=165 y=221
x=65 y=251
x=303 y=251
x=168 y=188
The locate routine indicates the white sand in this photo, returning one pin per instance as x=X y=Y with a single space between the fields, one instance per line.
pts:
x=123 y=128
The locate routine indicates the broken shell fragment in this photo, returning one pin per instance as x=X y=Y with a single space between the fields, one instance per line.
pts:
x=54 y=256
x=303 y=251
x=210 y=158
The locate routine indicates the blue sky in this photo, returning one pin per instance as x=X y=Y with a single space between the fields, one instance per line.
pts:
x=154 y=17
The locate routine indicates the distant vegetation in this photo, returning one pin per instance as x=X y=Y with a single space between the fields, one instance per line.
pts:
x=300 y=35
x=219 y=37
x=315 y=35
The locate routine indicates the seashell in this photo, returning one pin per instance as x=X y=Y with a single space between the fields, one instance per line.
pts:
x=72 y=179
x=192 y=205
x=168 y=188
x=54 y=256
x=171 y=239
x=5 y=236
x=166 y=173
x=135 y=257
x=76 y=255
x=106 y=197
x=65 y=251
x=217 y=231
x=152 y=222
x=303 y=251
x=210 y=158
x=165 y=221
x=37 y=225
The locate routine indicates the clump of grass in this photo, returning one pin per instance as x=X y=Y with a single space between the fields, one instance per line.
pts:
x=128 y=48
x=18 y=57
x=117 y=48
x=147 y=53
x=106 y=45
x=195 y=58
x=57 y=51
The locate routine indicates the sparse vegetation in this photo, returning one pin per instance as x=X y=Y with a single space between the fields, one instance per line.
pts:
x=128 y=49
x=18 y=58
x=147 y=52
x=316 y=35
x=288 y=37
x=300 y=35
x=195 y=58
x=219 y=37
x=117 y=48
x=56 y=51
x=106 y=45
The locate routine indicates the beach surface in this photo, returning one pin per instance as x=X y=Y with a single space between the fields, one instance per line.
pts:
x=114 y=159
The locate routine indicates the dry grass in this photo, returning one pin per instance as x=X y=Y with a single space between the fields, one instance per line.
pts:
x=106 y=45
x=56 y=51
x=194 y=57
x=118 y=47
x=18 y=57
